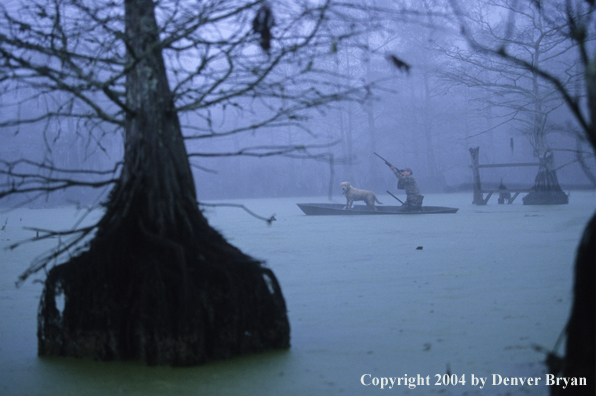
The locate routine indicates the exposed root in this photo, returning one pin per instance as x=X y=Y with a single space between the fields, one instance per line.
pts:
x=170 y=296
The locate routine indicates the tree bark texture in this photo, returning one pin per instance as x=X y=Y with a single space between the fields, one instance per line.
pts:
x=580 y=354
x=580 y=350
x=157 y=283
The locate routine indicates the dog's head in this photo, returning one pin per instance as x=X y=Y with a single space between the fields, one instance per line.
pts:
x=345 y=186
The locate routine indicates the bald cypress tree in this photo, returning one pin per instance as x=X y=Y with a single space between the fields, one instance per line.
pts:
x=152 y=280
x=157 y=282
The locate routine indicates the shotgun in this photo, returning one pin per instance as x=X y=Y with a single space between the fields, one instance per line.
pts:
x=389 y=192
x=387 y=162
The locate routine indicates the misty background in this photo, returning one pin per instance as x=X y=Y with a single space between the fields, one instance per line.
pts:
x=404 y=83
x=426 y=117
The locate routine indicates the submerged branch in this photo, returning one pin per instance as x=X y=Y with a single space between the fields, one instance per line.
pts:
x=268 y=220
x=44 y=260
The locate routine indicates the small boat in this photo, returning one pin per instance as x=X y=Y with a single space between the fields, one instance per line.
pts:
x=338 y=209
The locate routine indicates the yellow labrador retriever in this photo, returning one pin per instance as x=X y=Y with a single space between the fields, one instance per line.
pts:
x=353 y=194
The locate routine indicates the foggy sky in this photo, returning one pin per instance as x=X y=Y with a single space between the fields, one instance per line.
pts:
x=418 y=120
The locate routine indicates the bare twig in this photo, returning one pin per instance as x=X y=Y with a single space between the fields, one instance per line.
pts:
x=268 y=220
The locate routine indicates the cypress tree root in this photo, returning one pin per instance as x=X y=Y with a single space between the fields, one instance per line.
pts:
x=552 y=197
x=546 y=189
x=180 y=300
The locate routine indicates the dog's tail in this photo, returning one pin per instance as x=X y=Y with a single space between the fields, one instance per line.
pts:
x=377 y=200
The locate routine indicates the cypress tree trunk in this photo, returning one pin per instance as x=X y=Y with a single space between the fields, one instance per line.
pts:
x=546 y=190
x=580 y=351
x=157 y=283
x=477 y=199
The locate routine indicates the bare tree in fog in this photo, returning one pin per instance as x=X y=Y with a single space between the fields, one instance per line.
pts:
x=428 y=61
x=521 y=96
x=575 y=20
x=151 y=280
